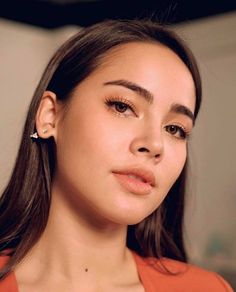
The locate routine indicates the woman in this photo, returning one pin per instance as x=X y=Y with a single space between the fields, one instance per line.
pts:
x=96 y=198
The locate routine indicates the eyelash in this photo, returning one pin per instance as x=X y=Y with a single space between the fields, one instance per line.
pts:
x=183 y=133
x=110 y=102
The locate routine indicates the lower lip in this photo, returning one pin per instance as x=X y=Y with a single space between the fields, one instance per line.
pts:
x=133 y=185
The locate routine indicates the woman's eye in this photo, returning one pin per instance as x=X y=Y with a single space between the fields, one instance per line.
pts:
x=177 y=131
x=119 y=106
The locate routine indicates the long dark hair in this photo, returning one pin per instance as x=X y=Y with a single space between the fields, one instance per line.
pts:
x=25 y=202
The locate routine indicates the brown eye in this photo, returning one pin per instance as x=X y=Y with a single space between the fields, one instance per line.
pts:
x=176 y=131
x=121 y=107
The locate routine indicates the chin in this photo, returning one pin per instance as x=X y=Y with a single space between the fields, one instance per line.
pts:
x=130 y=217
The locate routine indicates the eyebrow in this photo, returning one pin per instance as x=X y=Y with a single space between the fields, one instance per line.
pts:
x=181 y=109
x=148 y=96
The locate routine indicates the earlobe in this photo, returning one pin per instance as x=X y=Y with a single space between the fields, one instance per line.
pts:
x=46 y=115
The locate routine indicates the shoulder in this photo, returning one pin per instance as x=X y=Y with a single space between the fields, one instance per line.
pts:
x=181 y=276
x=8 y=283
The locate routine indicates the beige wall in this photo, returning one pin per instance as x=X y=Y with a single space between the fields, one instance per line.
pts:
x=210 y=220
x=24 y=52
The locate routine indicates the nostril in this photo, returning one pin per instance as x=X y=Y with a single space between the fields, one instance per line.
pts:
x=143 y=149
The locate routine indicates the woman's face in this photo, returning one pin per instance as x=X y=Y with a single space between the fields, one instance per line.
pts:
x=112 y=126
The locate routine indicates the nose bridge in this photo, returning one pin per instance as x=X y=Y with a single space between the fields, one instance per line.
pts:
x=148 y=140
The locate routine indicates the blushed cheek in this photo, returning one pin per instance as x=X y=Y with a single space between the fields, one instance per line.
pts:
x=105 y=136
x=176 y=163
x=180 y=165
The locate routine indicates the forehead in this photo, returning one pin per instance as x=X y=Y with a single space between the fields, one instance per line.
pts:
x=142 y=55
x=148 y=60
x=151 y=65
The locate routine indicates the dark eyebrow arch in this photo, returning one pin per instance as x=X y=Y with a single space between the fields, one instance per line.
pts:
x=134 y=87
x=181 y=109
x=148 y=96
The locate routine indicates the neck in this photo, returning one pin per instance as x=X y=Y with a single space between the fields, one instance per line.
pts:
x=73 y=245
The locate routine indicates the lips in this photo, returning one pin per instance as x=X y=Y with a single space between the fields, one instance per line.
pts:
x=136 y=180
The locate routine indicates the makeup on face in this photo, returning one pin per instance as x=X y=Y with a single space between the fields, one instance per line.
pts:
x=148 y=97
x=126 y=131
x=176 y=110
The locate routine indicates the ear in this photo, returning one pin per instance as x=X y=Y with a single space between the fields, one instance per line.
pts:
x=46 y=116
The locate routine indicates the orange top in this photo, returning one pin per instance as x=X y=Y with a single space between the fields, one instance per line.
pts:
x=189 y=277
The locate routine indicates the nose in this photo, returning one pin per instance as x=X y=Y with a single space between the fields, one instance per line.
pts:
x=149 y=145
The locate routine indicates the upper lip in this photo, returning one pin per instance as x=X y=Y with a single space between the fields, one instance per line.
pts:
x=143 y=173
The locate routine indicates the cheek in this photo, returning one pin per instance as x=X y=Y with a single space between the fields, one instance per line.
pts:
x=89 y=141
x=175 y=162
x=102 y=137
x=169 y=170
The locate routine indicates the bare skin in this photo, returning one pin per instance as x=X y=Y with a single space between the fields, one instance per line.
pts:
x=83 y=247
x=92 y=260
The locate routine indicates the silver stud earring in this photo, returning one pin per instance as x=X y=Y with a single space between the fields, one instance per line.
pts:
x=34 y=136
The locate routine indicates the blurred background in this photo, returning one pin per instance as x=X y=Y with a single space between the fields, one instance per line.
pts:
x=30 y=31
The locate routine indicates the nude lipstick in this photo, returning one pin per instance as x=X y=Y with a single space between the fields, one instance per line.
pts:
x=136 y=180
